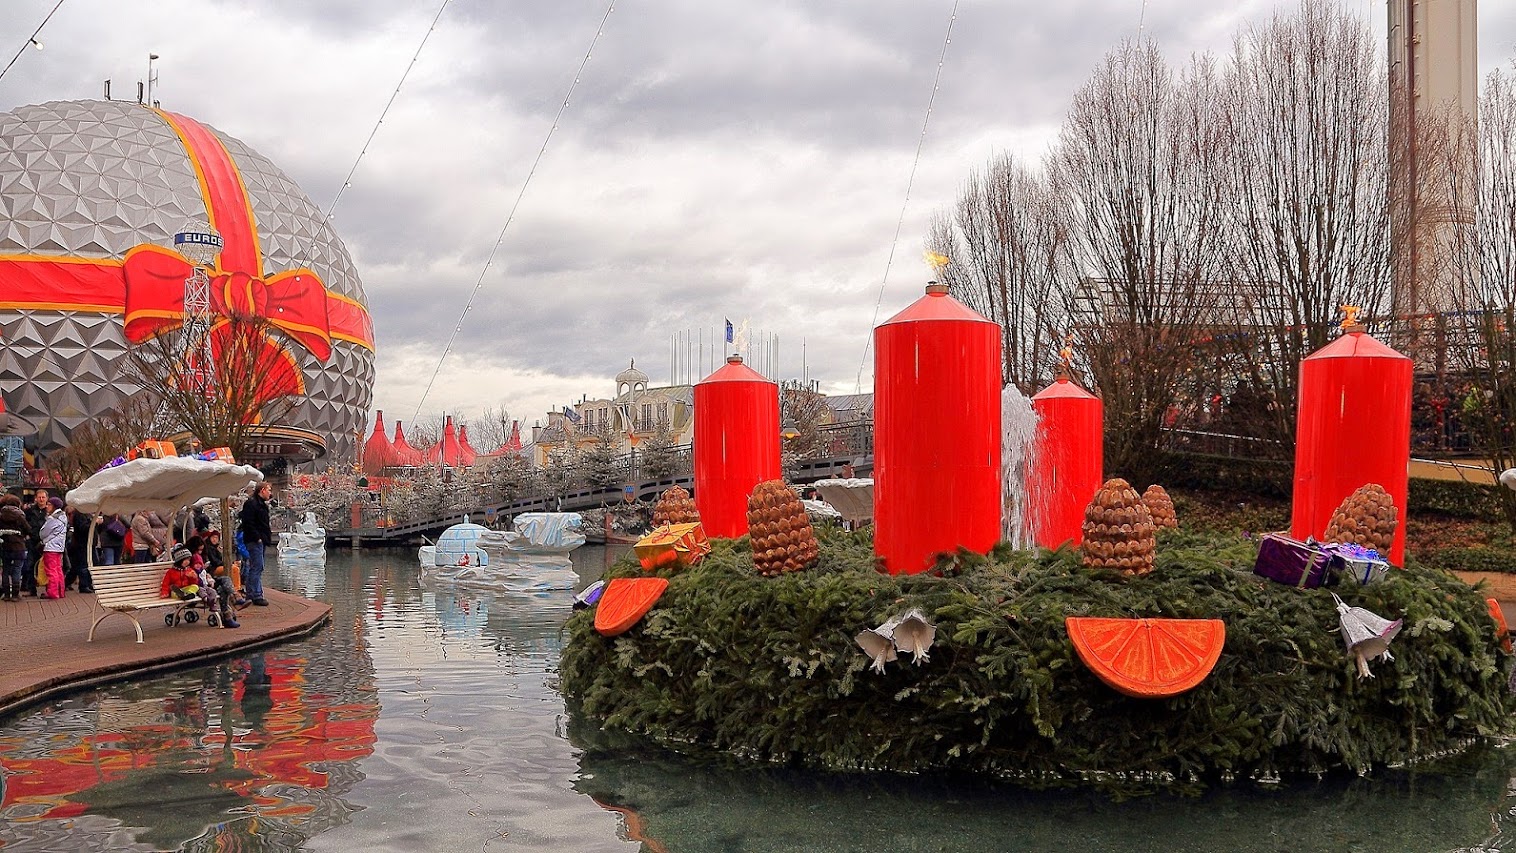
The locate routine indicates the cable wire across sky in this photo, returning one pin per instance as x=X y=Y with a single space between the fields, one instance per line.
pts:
x=348 y=181
x=458 y=326
x=909 y=184
x=31 y=40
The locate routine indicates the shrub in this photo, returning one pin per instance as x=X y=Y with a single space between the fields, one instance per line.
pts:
x=766 y=668
x=1455 y=499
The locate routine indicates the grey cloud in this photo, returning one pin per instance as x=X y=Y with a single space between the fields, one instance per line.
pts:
x=718 y=158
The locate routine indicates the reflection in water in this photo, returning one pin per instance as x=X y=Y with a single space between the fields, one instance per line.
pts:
x=1458 y=803
x=425 y=718
x=256 y=752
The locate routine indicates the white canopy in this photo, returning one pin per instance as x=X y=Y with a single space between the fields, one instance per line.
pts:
x=166 y=485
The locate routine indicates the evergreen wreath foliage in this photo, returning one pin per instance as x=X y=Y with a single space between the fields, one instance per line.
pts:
x=767 y=669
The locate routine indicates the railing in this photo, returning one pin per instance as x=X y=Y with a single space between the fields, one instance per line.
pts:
x=1222 y=444
x=580 y=496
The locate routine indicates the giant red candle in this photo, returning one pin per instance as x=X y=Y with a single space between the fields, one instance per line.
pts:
x=1066 y=467
x=1353 y=427
x=736 y=444
x=936 y=433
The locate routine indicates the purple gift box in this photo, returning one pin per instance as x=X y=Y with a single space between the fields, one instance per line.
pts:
x=1290 y=561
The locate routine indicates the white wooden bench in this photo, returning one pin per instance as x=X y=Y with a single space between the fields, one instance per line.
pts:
x=133 y=587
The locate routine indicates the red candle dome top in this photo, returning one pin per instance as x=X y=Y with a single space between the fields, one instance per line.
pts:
x=936 y=305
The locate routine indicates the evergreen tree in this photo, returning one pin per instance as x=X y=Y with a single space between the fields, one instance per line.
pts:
x=600 y=462
x=659 y=456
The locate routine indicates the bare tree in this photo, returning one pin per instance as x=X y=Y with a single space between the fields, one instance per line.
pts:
x=804 y=408
x=101 y=440
x=1005 y=254
x=491 y=430
x=1480 y=167
x=256 y=382
x=1135 y=167
x=425 y=431
x=1310 y=192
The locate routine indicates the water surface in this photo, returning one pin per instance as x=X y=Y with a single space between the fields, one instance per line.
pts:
x=425 y=718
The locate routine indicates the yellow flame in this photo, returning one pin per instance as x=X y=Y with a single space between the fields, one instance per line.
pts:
x=1350 y=315
x=935 y=260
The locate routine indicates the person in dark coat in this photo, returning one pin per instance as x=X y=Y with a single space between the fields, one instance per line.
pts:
x=14 y=531
x=77 y=552
x=111 y=541
x=257 y=533
x=36 y=513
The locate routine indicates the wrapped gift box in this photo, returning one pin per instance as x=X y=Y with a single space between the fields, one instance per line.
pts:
x=673 y=544
x=1363 y=565
x=1290 y=561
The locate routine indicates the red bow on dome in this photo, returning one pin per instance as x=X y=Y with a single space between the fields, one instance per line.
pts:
x=294 y=301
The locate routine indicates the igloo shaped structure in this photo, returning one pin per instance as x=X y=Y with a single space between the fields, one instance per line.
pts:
x=92 y=193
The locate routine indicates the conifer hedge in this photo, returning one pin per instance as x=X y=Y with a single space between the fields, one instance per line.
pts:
x=766 y=668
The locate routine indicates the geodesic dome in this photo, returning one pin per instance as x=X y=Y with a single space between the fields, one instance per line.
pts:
x=85 y=186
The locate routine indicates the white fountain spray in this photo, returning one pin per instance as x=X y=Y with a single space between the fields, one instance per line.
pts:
x=1018 y=444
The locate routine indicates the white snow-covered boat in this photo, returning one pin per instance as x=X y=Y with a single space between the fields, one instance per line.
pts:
x=535 y=534
x=305 y=541
x=534 y=557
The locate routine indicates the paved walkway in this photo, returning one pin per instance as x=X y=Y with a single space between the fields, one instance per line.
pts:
x=43 y=649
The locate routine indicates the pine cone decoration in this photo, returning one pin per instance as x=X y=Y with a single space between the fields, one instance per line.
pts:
x=1368 y=518
x=782 y=537
x=675 y=506
x=1158 y=502
x=1118 y=530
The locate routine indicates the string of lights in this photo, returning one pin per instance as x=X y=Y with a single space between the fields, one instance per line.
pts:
x=458 y=327
x=31 y=40
x=348 y=181
x=909 y=184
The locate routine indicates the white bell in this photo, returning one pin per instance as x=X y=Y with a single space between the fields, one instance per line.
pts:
x=914 y=635
x=1366 y=634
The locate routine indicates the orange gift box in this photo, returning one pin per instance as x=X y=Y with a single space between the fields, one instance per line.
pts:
x=673 y=544
x=153 y=450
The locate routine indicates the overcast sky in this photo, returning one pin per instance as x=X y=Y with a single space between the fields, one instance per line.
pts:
x=718 y=159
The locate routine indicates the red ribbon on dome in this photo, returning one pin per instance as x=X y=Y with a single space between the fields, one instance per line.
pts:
x=295 y=302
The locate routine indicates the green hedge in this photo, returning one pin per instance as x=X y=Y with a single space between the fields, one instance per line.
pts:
x=767 y=669
x=1455 y=499
x=1274 y=479
x=1477 y=558
x=1265 y=478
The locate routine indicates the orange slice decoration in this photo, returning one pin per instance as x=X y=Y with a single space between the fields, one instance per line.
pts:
x=1502 y=631
x=626 y=600
x=1148 y=658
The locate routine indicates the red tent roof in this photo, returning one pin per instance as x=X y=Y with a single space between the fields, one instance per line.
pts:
x=404 y=453
x=469 y=453
x=513 y=444
x=447 y=451
x=378 y=453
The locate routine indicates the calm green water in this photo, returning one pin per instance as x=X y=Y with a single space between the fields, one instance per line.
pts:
x=425 y=718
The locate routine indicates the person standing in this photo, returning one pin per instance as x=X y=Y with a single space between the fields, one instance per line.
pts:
x=36 y=514
x=256 y=535
x=111 y=531
x=163 y=532
x=77 y=573
x=54 y=532
x=14 y=531
x=146 y=544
